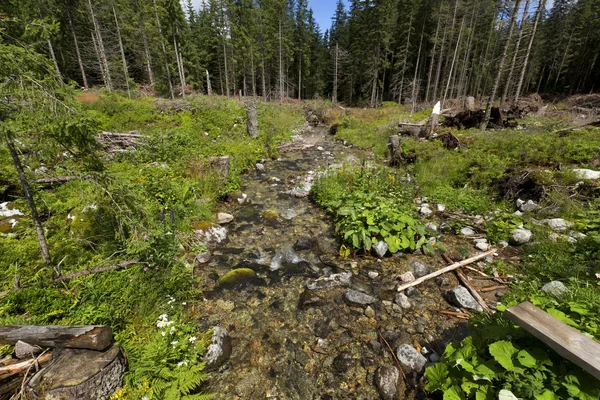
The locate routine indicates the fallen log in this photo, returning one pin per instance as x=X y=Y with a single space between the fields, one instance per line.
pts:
x=446 y=269
x=79 y=374
x=58 y=179
x=94 y=337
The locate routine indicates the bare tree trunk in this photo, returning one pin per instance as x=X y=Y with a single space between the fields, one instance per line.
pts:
x=335 y=74
x=515 y=54
x=164 y=49
x=463 y=75
x=447 y=61
x=148 y=58
x=453 y=61
x=488 y=107
x=439 y=66
x=405 y=57
x=480 y=71
x=437 y=30
x=208 y=87
x=414 y=84
x=100 y=49
x=51 y=49
x=300 y=79
x=123 y=59
x=77 y=52
x=226 y=69
x=179 y=66
x=253 y=71
x=264 y=79
x=564 y=57
x=29 y=196
x=281 y=90
x=375 y=78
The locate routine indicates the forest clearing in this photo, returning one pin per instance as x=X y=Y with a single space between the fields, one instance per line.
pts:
x=221 y=200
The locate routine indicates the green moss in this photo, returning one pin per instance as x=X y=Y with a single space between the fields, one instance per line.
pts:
x=236 y=276
x=270 y=215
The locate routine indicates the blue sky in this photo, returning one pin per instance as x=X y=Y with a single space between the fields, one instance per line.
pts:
x=323 y=11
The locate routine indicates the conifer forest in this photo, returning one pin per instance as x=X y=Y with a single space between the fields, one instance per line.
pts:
x=240 y=199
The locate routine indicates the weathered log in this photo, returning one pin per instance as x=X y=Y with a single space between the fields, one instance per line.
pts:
x=58 y=179
x=95 y=337
x=20 y=367
x=395 y=150
x=79 y=374
x=251 y=120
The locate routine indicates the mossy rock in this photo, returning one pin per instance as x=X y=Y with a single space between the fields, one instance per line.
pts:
x=85 y=223
x=270 y=215
x=236 y=276
x=6 y=225
x=202 y=225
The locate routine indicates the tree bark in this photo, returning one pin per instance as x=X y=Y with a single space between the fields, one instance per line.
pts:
x=437 y=30
x=414 y=91
x=29 y=196
x=488 y=108
x=92 y=337
x=77 y=52
x=405 y=57
x=251 y=120
x=335 y=74
x=122 y=50
x=515 y=54
x=164 y=50
x=453 y=61
x=101 y=49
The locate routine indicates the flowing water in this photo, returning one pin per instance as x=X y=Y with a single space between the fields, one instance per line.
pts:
x=294 y=335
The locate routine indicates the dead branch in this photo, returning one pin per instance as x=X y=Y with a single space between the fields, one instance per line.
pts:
x=68 y=277
x=446 y=269
x=14 y=369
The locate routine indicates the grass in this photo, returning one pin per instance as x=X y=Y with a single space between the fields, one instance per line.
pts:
x=138 y=205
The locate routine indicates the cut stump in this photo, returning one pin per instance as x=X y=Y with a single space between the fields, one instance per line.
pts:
x=79 y=374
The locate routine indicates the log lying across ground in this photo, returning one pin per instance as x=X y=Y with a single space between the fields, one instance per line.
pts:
x=93 y=337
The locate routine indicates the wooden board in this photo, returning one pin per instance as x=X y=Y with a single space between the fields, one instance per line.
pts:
x=566 y=341
x=94 y=337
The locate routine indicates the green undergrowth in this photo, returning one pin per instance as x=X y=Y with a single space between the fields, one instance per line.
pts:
x=138 y=205
x=369 y=205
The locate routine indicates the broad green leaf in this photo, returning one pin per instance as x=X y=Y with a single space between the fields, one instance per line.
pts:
x=503 y=352
x=469 y=387
x=436 y=376
x=488 y=369
x=506 y=395
x=355 y=241
x=526 y=359
x=547 y=395
x=561 y=316
x=454 y=393
x=484 y=393
x=580 y=308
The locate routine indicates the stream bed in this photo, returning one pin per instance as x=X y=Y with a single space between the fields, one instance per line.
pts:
x=305 y=323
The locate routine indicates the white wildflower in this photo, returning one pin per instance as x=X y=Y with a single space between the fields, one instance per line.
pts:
x=174 y=343
x=163 y=333
x=192 y=339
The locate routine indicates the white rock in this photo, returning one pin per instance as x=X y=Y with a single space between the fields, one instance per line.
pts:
x=460 y=296
x=557 y=224
x=224 y=218
x=586 y=173
x=244 y=199
x=518 y=213
x=410 y=358
x=520 y=236
x=483 y=246
x=519 y=203
x=373 y=274
x=406 y=277
x=6 y=212
x=467 y=231
x=425 y=210
x=432 y=227
x=260 y=167
x=555 y=288
x=402 y=301
x=441 y=207
x=380 y=248
x=530 y=206
x=320 y=148
x=212 y=235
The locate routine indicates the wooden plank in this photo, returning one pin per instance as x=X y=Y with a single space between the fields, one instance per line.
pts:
x=93 y=337
x=566 y=341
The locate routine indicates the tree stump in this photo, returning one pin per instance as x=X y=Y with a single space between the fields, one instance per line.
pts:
x=221 y=165
x=433 y=119
x=79 y=374
x=470 y=103
x=395 y=150
x=251 y=120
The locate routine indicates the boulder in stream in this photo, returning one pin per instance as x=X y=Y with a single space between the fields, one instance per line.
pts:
x=410 y=358
x=358 y=298
x=218 y=350
x=386 y=381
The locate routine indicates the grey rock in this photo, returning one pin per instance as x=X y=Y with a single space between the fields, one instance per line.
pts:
x=304 y=243
x=224 y=218
x=432 y=227
x=213 y=235
x=467 y=231
x=221 y=165
x=577 y=235
x=434 y=358
x=260 y=167
x=202 y=258
x=244 y=199
x=406 y=277
x=519 y=203
x=520 y=236
x=412 y=292
x=375 y=346
x=557 y=224
x=518 y=213
x=419 y=269
x=460 y=297
x=482 y=245
x=25 y=350
x=358 y=298
x=386 y=381
x=441 y=207
x=530 y=206
x=380 y=248
x=343 y=362
x=218 y=350
x=555 y=288
x=402 y=300
x=503 y=243
x=331 y=281
x=322 y=329
x=410 y=358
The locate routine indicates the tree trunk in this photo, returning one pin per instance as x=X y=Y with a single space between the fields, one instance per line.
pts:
x=432 y=62
x=414 y=91
x=405 y=58
x=251 y=120
x=281 y=90
x=453 y=61
x=395 y=150
x=488 y=108
x=123 y=59
x=515 y=54
x=164 y=50
x=91 y=337
x=208 y=87
x=77 y=52
x=335 y=74
x=147 y=56
x=79 y=374
x=100 y=48
x=29 y=196
x=179 y=66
